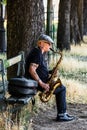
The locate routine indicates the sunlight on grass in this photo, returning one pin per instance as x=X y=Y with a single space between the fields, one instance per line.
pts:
x=73 y=72
x=76 y=91
x=72 y=64
x=78 y=50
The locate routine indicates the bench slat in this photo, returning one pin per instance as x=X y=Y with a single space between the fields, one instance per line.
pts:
x=5 y=63
x=12 y=61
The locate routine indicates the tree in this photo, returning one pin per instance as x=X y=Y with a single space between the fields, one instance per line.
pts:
x=63 y=32
x=76 y=19
x=70 y=23
x=85 y=17
x=49 y=17
x=80 y=17
x=25 y=23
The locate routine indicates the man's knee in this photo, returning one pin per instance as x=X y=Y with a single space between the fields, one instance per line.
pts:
x=63 y=87
x=60 y=89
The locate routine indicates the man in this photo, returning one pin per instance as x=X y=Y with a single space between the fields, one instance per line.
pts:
x=36 y=69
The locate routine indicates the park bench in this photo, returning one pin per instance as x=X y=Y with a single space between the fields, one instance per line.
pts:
x=4 y=64
x=17 y=109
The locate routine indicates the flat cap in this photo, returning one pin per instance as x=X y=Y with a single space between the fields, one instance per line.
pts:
x=45 y=38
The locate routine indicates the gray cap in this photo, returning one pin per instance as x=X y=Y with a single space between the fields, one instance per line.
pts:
x=45 y=38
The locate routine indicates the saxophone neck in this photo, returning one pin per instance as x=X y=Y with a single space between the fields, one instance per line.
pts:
x=58 y=52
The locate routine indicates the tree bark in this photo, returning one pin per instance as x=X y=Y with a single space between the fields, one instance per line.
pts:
x=76 y=19
x=63 y=32
x=25 y=23
x=49 y=18
x=85 y=17
x=80 y=17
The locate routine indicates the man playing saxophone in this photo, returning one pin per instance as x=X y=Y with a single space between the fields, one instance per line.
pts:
x=36 y=69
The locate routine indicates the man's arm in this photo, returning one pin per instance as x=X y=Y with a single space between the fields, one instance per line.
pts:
x=32 y=71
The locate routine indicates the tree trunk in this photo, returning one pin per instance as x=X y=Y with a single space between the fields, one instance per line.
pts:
x=76 y=19
x=85 y=17
x=63 y=33
x=25 y=23
x=49 y=18
x=80 y=17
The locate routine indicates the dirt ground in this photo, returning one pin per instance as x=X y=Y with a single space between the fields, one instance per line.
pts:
x=45 y=119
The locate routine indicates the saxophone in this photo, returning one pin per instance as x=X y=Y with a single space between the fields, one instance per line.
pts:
x=45 y=96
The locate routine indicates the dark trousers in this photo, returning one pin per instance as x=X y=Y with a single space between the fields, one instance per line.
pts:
x=60 y=94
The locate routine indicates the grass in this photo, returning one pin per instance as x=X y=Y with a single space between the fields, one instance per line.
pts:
x=73 y=73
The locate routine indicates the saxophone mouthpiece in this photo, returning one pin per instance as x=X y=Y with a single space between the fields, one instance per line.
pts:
x=55 y=51
x=51 y=49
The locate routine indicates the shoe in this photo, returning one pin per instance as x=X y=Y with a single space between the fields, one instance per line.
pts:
x=64 y=117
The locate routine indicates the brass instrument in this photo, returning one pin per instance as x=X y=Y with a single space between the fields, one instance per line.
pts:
x=45 y=96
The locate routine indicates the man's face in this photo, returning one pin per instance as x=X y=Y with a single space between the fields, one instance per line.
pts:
x=47 y=46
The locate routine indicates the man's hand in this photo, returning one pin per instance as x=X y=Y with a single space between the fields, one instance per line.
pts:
x=44 y=85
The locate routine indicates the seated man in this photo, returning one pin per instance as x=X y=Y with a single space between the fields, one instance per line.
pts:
x=36 y=69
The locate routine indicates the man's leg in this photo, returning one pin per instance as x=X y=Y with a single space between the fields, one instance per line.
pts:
x=60 y=94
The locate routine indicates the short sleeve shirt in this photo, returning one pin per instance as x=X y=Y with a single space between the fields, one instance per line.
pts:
x=36 y=56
